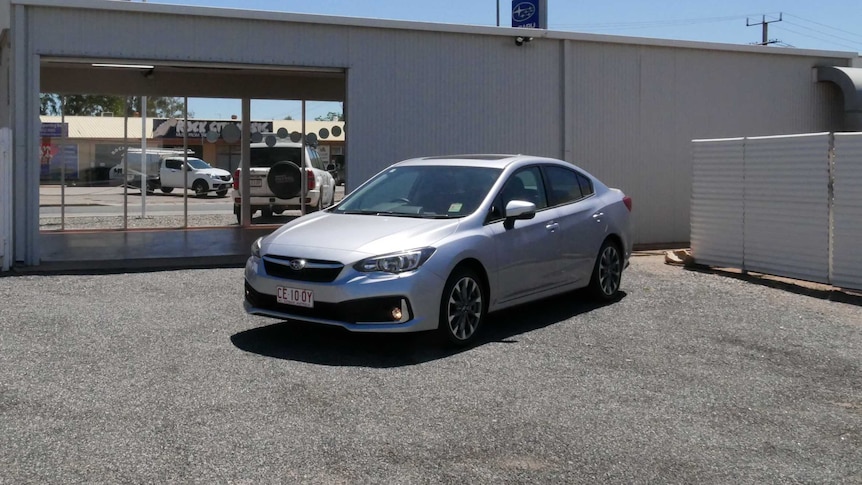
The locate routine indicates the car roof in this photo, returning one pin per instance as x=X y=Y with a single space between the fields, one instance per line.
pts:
x=500 y=161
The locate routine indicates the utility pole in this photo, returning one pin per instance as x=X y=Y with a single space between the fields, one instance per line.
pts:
x=765 y=23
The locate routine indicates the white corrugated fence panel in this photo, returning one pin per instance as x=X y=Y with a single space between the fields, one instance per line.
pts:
x=787 y=206
x=847 y=211
x=717 y=202
x=5 y=198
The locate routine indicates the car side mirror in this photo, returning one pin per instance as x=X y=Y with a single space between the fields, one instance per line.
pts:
x=518 y=210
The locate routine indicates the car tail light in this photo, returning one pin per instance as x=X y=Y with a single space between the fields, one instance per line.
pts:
x=236 y=180
x=628 y=202
x=311 y=183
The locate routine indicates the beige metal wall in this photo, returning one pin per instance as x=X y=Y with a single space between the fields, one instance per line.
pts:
x=424 y=93
x=637 y=108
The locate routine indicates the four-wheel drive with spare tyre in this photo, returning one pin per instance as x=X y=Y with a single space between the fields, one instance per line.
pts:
x=275 y=179
x=163 y=170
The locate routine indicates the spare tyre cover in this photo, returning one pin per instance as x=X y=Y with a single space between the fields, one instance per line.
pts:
x=284 y=180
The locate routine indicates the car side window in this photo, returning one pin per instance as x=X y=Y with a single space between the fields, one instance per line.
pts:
x=586 y=185
x=525 y=184
x=565 y=185
x=314 y=159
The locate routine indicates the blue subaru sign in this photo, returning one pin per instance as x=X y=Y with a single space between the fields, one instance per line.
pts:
x=530 y=14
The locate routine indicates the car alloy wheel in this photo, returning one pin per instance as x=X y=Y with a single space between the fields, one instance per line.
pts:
x=608 y=271
x=462 y=308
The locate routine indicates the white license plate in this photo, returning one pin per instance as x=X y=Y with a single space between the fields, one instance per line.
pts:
x=294 y=296
x=255 y=183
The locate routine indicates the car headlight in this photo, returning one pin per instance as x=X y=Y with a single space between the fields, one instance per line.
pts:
x=255 y=247
x=395 y=262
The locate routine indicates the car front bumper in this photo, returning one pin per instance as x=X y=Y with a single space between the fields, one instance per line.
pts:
x=360 y=302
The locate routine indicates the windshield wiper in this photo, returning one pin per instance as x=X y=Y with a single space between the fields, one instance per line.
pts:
x=397 y=214
x=358 y=211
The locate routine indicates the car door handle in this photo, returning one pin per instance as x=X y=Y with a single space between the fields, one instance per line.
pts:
x=552 y=226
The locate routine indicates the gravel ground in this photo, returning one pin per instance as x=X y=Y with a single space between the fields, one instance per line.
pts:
x=691 y=377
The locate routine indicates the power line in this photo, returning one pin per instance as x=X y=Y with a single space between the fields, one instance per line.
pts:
x=846 y=40
x=651 y=23
x=859 y=42
x=854 y=34
x=830 y=41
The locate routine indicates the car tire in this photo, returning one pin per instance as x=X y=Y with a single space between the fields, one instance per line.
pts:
x=222 y=193
x=200 y=187
x=284 y=180
x=167 y=190
x=314 y=208
x=237 y=213
x=607 y=272
x=462 y=307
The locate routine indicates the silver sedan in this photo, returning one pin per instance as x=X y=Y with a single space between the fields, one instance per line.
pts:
x=437 y=243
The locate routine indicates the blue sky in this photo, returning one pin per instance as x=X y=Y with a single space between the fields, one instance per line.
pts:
x=812 y=24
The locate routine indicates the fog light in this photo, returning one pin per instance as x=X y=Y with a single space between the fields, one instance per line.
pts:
x=396 y=314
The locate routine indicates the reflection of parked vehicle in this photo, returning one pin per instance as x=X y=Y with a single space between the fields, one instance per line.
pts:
x=436 y=243
x=275 y=179
x=336 y=168
x=164 y=170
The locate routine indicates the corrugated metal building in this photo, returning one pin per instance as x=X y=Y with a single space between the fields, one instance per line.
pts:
x=625 y=109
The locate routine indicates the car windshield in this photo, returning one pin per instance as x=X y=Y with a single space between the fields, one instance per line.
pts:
x=198 y=164
x=437 y=191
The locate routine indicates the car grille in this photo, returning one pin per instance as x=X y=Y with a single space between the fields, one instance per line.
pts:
x=315 y=271
x=224 y=178
x=355 y=311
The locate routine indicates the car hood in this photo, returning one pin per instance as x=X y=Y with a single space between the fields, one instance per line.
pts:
x=348 y=237
x=213 y=171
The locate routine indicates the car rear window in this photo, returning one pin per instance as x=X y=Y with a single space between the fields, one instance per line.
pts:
x=269 y=156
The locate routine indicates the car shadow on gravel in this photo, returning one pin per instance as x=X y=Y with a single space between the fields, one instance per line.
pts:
x=334 y=346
